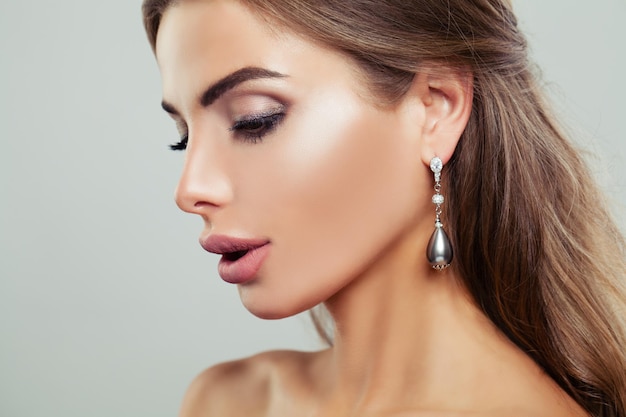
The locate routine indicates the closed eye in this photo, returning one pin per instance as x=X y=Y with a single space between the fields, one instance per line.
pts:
x=255 y=127
x=249 y=129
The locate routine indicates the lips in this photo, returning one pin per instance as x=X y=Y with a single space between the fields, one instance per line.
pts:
x=241 y=258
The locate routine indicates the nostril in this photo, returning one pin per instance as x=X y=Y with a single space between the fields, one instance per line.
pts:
x=202 y=204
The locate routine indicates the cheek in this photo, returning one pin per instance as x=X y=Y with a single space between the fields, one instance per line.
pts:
x=336 y=188
x=346 y=172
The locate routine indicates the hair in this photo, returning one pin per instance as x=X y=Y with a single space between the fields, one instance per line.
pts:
x=535 y=245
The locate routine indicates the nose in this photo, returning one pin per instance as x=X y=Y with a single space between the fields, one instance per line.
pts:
x=204 y=185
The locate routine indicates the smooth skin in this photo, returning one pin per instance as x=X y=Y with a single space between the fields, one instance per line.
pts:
x=340 y=186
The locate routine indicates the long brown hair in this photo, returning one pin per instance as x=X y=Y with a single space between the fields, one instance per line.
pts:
x=534 y=243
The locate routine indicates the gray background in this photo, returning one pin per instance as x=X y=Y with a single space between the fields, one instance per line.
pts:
x=108 y=306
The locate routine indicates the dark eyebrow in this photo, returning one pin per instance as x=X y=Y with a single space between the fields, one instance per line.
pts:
x=219 y=88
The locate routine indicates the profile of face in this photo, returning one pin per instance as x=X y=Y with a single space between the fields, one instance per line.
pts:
x=287 y=149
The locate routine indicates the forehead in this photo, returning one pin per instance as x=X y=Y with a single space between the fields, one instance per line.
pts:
x=196 y=23
x=200 y=39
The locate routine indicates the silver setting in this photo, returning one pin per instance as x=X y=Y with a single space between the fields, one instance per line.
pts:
x=436 y=166
x=439 y=250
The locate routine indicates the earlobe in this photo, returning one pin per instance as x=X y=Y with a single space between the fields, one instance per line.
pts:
x=447 y=98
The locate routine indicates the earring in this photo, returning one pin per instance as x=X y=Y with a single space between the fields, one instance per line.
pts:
x=439 y=251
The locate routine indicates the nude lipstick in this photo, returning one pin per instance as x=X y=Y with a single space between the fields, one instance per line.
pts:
x=241 y=258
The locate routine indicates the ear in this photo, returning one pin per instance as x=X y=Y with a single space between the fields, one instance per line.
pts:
x=446 y=96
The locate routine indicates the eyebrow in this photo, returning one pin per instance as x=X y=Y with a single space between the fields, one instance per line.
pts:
x=221 y=87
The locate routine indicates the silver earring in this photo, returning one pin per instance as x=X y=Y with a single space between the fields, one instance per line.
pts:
x=439 y=251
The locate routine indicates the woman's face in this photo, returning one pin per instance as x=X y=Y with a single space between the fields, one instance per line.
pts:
x=290 y=151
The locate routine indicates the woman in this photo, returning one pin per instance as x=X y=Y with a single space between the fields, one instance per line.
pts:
x=318 y=135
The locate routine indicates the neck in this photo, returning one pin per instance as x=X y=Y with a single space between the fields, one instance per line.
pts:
x=406 y=334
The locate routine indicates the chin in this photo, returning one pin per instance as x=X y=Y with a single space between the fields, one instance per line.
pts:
x=273 y=312
x=273 y=306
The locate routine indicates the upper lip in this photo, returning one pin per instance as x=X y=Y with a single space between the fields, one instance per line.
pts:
x=222 y=244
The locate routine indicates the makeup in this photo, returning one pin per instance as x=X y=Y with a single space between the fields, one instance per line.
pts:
x=302 y=182
x=241 y=258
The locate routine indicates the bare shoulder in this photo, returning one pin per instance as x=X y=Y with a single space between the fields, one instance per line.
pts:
x=246 y=387
x=214 y=391
x=502 y=412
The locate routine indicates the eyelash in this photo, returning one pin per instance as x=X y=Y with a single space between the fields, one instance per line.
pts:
x=250 y=129
x=181 y=145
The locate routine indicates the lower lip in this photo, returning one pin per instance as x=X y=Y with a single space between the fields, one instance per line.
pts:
x=245 y=268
